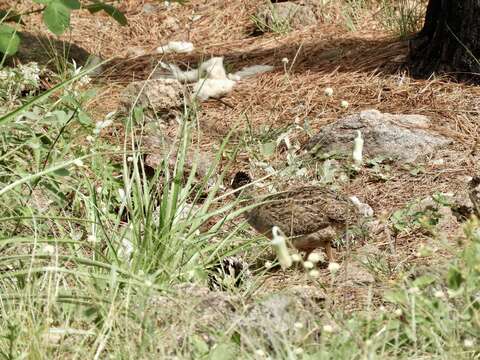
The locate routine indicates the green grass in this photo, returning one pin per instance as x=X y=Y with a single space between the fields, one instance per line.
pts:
x=99 y=259
x=276 y=23
x=403 y=17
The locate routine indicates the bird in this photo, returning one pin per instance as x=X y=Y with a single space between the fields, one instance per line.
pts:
x=310 y=216
x=474 y=193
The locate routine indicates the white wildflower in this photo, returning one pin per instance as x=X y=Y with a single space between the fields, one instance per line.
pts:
x=298 y=325
x=439 y=294
x=315 y=257
x=328 y=92
x=285 y=61
x=398 y=312
x=298 y=351
x=260 y=353
x=358 y=149
x=328 y=329
x=296 y=258
x=314 y=273
x=268 y=264
x=280 y=246
x=468 y=343
x=90 y=138
x=344 y=104
x=130 y=159
x=333 y=267
x=308 y=265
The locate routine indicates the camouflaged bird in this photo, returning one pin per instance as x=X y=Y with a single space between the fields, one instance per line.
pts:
x=311 y=216
x=474 y=193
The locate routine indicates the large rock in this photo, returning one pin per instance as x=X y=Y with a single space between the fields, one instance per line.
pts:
x=402 y=137
x=159 y=148
x=283 y=16
x=159 y=97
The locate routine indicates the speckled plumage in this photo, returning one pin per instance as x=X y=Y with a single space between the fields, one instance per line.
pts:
x=474 y=193
x=312 y=216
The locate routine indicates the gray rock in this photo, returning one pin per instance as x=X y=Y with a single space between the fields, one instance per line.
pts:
x=402 y=137
x=158 y=97
x=159 y=148
x=284 y=16
x=357 y=274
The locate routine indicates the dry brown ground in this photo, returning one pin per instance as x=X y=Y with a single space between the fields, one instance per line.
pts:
x=363 y=67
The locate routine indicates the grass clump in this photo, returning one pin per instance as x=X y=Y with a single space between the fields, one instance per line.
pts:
x=403 y=18
x=272 y=21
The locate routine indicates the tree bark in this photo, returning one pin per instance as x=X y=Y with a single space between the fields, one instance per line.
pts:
x=449 y=41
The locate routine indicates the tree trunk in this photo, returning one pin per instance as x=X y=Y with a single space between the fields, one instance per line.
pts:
x=449 y=41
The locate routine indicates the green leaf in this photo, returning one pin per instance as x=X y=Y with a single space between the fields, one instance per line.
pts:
x=423 y=281
x=57 y=17
x=110 y=10
x=397 y=297
x=454 y=278
x=71 y=4
x=61 y=172
x=224 y=352
x=84 y=118
x=9 y=40
x=55 y=190
x=43 y=2
x=268 y=149
x=200 y=346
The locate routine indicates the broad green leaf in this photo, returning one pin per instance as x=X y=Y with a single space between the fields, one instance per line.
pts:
x=43 y=2
x=84 y=118
x=200 y=346
x=9 y=40
x=62 y=116
x=224 y=352
x=71 y=4
x=57 y=17
x=268 y=149
x=423 y=281
x=396 y=297
x=454 y=278
x=61 y=172
x=110 y=10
